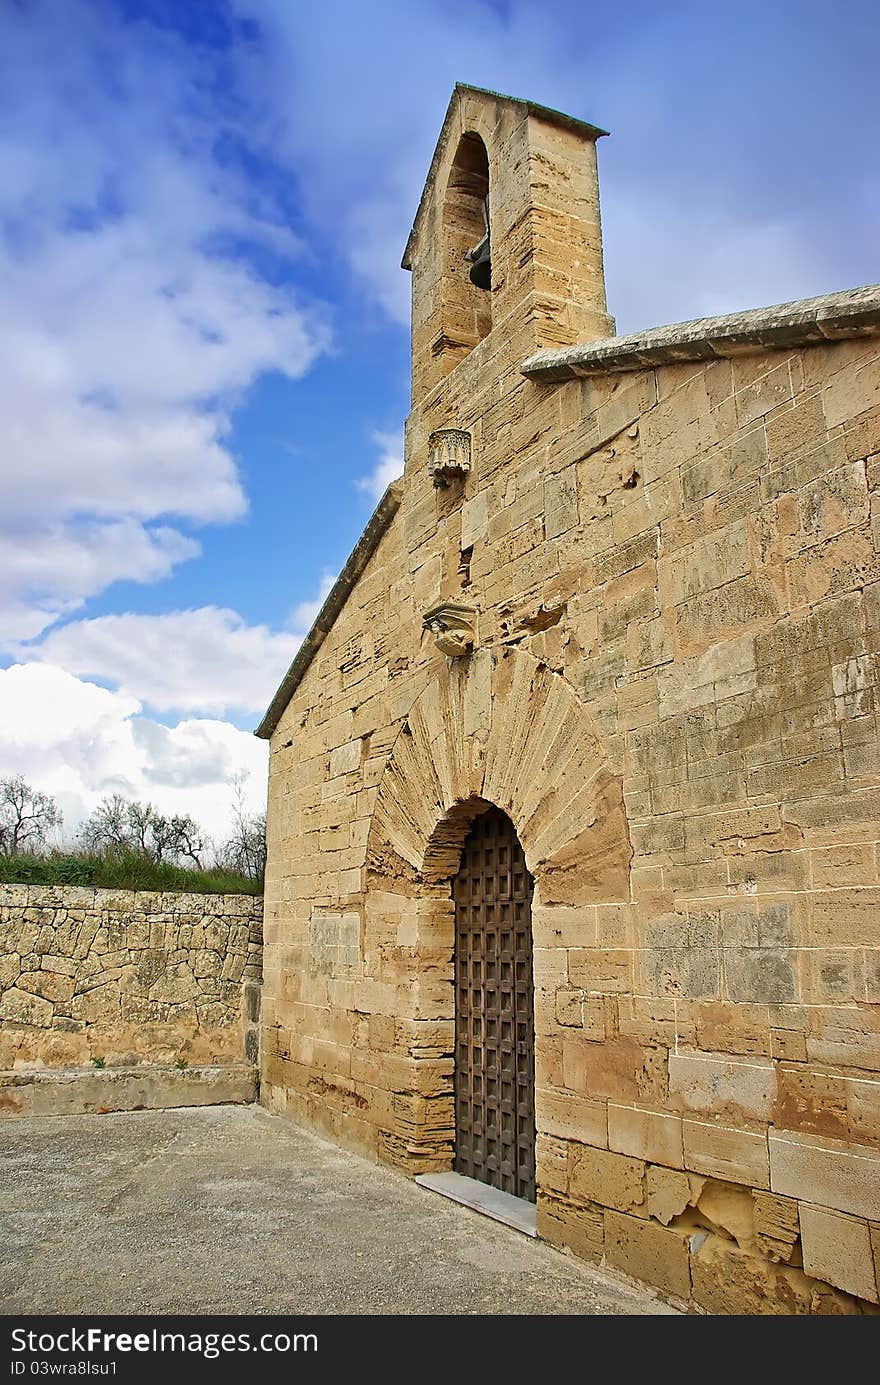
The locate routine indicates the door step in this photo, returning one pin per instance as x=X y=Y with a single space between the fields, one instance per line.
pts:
x=492 y=1202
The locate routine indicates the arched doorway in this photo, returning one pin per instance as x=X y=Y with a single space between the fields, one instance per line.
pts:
x=494 y=1009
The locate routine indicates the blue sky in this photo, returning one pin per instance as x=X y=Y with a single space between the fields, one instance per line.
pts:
x=203 y=209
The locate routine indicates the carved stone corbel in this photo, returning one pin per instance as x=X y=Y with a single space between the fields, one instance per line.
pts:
x=449 y=455
x=453 y=626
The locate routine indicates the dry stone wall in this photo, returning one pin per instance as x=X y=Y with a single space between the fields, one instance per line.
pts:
x=127 y=977
x=674 y=696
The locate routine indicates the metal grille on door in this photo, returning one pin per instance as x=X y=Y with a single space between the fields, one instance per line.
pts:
x=494 y=1010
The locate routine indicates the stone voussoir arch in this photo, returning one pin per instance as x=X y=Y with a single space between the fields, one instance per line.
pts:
x=502 y=728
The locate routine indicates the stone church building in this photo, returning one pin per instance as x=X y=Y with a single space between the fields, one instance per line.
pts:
x=574 y=819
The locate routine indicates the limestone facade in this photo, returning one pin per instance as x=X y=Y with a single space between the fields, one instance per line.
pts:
x=672 y=692
x=128 y=977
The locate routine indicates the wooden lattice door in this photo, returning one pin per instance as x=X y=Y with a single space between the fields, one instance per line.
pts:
x=494 y=1010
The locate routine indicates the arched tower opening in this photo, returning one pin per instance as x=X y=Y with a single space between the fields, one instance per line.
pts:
x=466 y=230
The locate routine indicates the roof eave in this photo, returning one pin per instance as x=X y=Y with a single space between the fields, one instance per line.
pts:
x=805 y=322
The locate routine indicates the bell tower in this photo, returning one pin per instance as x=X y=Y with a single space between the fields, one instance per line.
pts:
x=507 y=241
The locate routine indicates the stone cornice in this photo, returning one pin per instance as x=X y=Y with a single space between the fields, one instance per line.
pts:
x=336 y=599
x=809 y=322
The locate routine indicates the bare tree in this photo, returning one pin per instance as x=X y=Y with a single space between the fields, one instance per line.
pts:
x=107 y=829
x=120 y=824
x=27 y=816
x=175 y=838
x=245 y=850
x=146 y=829
x=187 y=839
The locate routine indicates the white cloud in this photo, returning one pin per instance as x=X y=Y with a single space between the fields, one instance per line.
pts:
x=205 y=660
x=80 y=742
x=388 y=467
x=378 y=228
x=305 y=612
x=49 y=569
x=134 y=311
x=697 y=266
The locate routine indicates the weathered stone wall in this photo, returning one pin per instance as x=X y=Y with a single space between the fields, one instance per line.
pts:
x=677 y=573
x=127 y=976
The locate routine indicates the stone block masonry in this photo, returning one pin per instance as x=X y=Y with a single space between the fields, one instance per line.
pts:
x=128 y=977
x=671 y=546
x=147 y=1087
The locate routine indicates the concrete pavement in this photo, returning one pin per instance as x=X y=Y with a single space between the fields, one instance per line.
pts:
x=227 y=1209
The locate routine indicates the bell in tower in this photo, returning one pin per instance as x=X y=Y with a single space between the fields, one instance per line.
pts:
x=480 y=257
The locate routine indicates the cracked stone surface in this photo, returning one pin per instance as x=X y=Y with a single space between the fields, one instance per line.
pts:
x=228 y=1209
